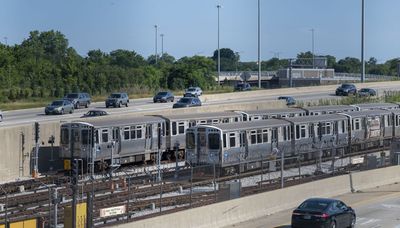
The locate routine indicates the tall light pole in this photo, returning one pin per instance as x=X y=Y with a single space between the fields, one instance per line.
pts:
x=219 y=56
x=312 y=47
x=362 y=41
x=259 y=47
x=155 y=27
x=162 y=44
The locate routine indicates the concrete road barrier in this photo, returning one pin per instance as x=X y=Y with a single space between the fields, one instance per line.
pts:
x=250 y=207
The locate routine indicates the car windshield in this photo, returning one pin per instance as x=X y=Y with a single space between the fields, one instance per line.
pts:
x=185 y=100
x=162 y=93
x=115 y=95
x=346 y=85
x=57 y=103
x=72 y=95
x=283 y=98
x=314 y=205
x=191 y=89
x=364 y=90
x=240 y=85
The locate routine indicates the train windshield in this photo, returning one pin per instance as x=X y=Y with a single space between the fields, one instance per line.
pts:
x=64 y=136
x=213 y=141
x=190 y=144
x=85 y=136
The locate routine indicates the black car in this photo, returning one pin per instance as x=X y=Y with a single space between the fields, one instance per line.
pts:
x=366 y=92
x=163 y=96
x=187 y=102
x=289 y=100
x=323 y=212
x=346 y=89
x=242 y=87
x=94 y=113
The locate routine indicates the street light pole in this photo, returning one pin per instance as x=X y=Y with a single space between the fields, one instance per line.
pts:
x=312 y=47
x=162 y=45
x=259 y=46
x=155 y=27
x=219 y=56
x=362 y=41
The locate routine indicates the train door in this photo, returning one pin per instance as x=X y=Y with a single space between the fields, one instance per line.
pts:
x=86 y=138
x=148 y=137
x=201 y=143
x=116 y=136
x=274 y=138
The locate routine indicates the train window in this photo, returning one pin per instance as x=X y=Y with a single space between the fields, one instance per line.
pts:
x=96 y=136
x=301 y=131
x=126 y=133
x=167 y=128
x=225 y=120
x=357 y=124
x=259 y=136
x=190 y=142
x=133 y=132
x=397 y=120
x=297 y=132
x=174 y=132
x=139 y=132
x=224 y=140
x=181 y=127
x=200 y=122
x=286 y=133
x=256 y=118
x=64 y=136
x=253 y=137
x=265 y=135
x=236 y=119
x=326 y=128
x=104 y=136
x=232 y=140
x=163 y=129
x=388 y=121
x=85 y=136
x=213 y=141
x=215 y=121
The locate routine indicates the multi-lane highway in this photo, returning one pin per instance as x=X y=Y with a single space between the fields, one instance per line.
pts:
x=375 y=208
x=304 y=94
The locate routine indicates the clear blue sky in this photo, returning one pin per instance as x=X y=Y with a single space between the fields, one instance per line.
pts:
x=190 y=26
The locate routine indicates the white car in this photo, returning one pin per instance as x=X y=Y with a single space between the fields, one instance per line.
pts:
x=1 y=116
x=193 y=91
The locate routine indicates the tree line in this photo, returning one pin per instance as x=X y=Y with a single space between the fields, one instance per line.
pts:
x=45 y=66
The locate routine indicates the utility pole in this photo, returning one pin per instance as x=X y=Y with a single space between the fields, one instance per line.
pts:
x=219 y=54
x=259 y=47
x=36 y=157
x=312 y=47
x=362 y=41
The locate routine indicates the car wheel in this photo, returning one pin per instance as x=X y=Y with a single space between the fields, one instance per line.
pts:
x=107 y=106
x=71 y=111
x=77 y=105
x=87 y=105
x=126 y=104
x=333 y=224
x=119 y=104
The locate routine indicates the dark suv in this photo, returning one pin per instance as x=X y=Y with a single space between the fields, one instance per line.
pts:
x=79 y=99
x=346 y=89
x=117 y=100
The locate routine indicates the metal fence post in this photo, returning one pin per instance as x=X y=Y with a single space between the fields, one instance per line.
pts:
x=191 y=184
x=215 y=184
x=282 y=167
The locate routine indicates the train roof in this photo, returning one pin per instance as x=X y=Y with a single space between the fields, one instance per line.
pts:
x=250 y=124
x=329 y=108
x=370 y=112
x=203 y=115
x=376 y=105
x=318 y=118
x=119 y=121
x=274 y=111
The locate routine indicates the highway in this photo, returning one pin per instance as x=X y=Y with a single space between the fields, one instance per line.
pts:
x=375 y=208
x=301 y=94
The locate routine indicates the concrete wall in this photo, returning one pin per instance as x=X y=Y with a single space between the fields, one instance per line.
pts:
x=15 y=161
x=14 y=154
x=246 y=208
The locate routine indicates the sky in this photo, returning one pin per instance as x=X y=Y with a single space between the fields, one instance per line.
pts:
x=190 y=26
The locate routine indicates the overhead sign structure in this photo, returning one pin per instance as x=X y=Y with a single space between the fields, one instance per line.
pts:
x=111 y=211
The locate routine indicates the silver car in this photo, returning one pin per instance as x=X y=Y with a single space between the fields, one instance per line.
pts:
x=1 y=116
x=193 y=92
x=59 y=107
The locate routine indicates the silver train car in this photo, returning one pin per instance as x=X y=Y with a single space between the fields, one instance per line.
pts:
x=126 y=140
x=271 y=113
x=227 y=145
